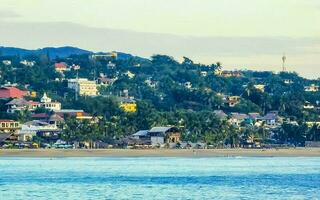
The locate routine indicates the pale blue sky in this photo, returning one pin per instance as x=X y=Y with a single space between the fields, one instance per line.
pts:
x=248 y=34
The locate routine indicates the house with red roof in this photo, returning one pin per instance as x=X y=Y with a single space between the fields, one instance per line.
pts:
x=12 y=92
x=61 y=67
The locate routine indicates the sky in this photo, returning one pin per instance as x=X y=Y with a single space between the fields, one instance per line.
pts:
x=241 y=34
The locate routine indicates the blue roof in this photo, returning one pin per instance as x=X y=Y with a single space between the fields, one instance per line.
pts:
x=160 y=129
x=141 y=133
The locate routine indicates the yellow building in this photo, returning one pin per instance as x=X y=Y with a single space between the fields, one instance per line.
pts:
x=127 y=104
x=311 y=124
x=9 y=126
x=260 y=87
x=83 y=86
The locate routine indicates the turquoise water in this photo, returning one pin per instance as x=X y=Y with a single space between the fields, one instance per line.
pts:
x=159 y=178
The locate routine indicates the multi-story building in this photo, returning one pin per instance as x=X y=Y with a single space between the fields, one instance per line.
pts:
x=9 y=126
x=21 y=104
x=47 y=103
x=83 y=86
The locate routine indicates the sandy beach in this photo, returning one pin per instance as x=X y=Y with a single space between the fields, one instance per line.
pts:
x=297 y=152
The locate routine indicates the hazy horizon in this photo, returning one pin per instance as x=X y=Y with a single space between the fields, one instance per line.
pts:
x=240 y=34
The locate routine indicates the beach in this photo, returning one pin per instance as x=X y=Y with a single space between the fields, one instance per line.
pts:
x=292 y=152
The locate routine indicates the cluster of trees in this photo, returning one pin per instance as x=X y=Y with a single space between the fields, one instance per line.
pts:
x=169 y=102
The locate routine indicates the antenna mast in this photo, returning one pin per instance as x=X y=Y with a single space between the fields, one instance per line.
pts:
x=283 y=62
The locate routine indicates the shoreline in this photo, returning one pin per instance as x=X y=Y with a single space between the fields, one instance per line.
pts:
x=297 y=152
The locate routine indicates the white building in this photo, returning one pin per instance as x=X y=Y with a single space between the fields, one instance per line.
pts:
x=188 y=85
x=83 y=86
x=36 y=127
x=311 y=88
x=28 y=63
x=6 y=62
x=47 y=103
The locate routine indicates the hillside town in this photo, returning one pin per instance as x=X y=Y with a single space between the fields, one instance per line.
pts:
x=105 y=100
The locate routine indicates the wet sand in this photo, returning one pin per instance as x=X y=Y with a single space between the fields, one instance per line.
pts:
x=294 y=152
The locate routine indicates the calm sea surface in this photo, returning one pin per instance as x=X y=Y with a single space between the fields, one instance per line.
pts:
x=159 y=178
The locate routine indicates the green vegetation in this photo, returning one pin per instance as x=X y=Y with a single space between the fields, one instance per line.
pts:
x=169 y=101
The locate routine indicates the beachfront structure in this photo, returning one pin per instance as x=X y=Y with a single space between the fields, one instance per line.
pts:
x=161 y=135
x=37 y=128
x=156 y=136
x=47 y=103
x=83 y=86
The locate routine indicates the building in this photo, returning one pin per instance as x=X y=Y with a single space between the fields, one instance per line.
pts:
x=130 y=75
x=37 y=128
x=151 y=83
x=21 y=105
x=10 y=128
x=105 y=81
x=260 y=87
x=220 y=114
x=288 y=81
x=78 y=114
x=47 y=103
x=311 y=88
x=28 y=63
x=204 y=73
x=308 y=106
x=188 y=85
x=270 y=118
x=61 y=67
x=12 y=92
x=6 y=62
x=232 y=101
x=237 y=119
x=161 y=135
x=8 y=125
x=128 y=104
x=142 y=135
x=228 y=74
x=104 y=56
x=83 y=86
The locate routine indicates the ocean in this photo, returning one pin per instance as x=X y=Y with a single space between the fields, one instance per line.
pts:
x=160 y=178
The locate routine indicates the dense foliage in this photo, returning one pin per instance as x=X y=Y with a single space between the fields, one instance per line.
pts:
x=168 y=102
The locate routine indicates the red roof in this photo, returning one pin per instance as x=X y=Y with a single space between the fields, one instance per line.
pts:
x=11 y=92
x=33 y=103
x=6 y=120
x=40 y=116
x=61 y=65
